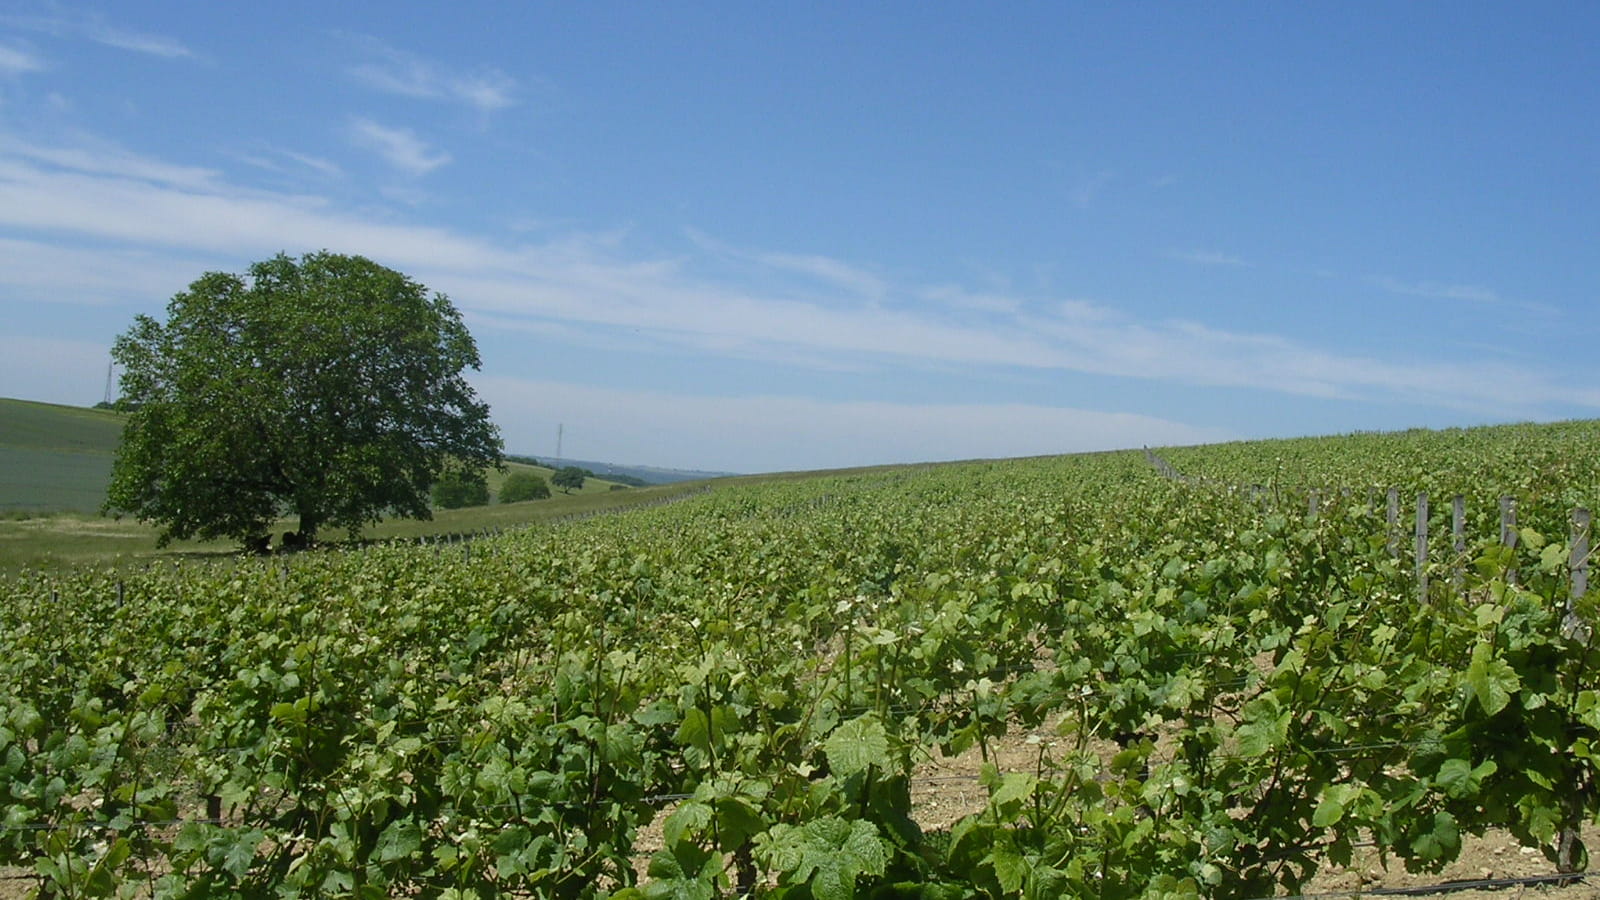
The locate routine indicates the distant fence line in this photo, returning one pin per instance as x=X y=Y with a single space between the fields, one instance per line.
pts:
x=1580 y=522
x=464 y=537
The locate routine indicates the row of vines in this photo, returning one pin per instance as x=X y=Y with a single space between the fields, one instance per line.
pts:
x=1238 y=691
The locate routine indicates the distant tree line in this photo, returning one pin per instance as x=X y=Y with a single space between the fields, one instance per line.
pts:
x=629 y=480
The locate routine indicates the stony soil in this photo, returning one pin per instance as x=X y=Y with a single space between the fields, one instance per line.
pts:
x=946 y=789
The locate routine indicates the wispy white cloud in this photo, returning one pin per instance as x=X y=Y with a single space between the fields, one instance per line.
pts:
x=400 y=147
x=95 y=27
x=324 y=166
x=819 y=269
x=960 y=298
x=1208 y=258
x=771 y=433
x=668 y=303
x=42 y=272
x=597 y=287
x=405 y=194
x=1084 y=311
x=828 y=270
x=139 y=42
x=398 y=72
x=1438 y=291
x=104 y=197
x=18 y=61
x=1540 y=312
x=273 y=159
x=99 y=158
x=1087 y=188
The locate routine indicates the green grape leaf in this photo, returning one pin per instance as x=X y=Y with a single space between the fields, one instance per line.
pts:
x=1491 y=679
x=1010 y=867
x=233 y=851
x=400 y=839
x=827 y=854
x=660 y=712
x=683 y=871
x=857 y=745
x=738 y=821
x=1335 y=801
x=1014 y=788
x=1266 y=728
x=694 y=733
x=691 y=818
x=1460 y=780
x=1553 y=557
x=1440 y=841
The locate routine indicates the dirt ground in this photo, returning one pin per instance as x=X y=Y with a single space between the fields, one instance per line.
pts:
x=947 y=789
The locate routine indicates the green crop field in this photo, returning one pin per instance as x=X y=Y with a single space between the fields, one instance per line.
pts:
x=1218 y=671
x=55 y=458
x=55 y=464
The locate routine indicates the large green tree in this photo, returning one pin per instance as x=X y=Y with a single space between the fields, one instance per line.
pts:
x=329 y=388
x=569 y=479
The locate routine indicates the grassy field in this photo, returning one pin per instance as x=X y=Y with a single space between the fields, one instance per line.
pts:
x=590 y=487
x=55 y=458
x=65 y=540
x=55 y=464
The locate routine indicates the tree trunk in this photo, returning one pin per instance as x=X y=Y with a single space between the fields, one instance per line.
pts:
x=309 y=520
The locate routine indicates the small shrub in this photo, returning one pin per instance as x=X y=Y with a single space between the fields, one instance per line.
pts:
x=521 y=486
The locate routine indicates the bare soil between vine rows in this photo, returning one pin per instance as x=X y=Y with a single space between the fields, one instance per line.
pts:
x=944 y=789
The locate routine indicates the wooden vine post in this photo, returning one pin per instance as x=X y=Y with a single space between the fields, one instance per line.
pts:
x=1569 y=854
x=1578 y=568
x=1394 y=522
x=1422 y=548
x=1458 y=531
x=1508 y=533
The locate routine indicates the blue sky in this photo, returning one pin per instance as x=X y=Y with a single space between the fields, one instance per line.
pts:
x=750 y=237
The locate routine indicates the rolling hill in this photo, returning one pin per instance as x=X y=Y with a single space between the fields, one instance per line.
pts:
x=55 y=465
x=56 y=458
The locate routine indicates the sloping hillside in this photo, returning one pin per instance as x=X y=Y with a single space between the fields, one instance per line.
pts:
x=58 y=458
x=55 y=458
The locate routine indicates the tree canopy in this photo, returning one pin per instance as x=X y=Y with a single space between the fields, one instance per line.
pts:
x=521 y=486
x=458 y=488
x=569 y=479
x=330 y=388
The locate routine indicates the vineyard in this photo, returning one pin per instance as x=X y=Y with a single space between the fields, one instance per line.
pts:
x=1240 y=671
